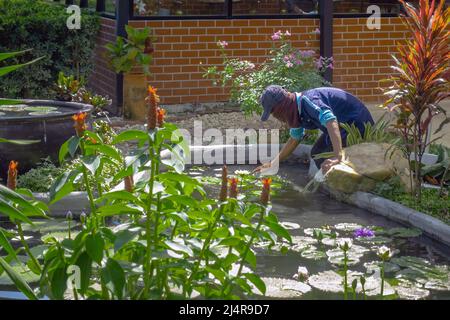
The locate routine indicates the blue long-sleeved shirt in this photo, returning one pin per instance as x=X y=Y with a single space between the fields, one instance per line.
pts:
x=318 y=106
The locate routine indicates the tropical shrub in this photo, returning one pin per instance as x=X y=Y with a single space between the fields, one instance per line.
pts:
x=172 y=240
x=296 y=70
x=421 y=81
x=42 y=26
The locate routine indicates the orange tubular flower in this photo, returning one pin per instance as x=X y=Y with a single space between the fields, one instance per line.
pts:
x=129 y=183
x=12 y=175
x=161 y=115
x=233 y=187
x=153 y=100
x=80 y=123
x=223 y=190
x=265 y=194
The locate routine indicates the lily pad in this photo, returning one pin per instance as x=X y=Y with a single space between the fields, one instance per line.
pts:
x=44 y=226
x=420 y=268
x=23 y=271
x=312 y=253
x=40 y=109
x=290 y=225
x=347 y=227
x=404 y=232
x=409 y=291
x=285 y=288
x=374 y=240
x=328 y=281
x=13 y=108
x=374 y=266
x=59 y=235
x=325 y=232
x=336 y=256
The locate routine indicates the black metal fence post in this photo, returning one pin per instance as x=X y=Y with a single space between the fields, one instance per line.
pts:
x=123 y=10
x=326 y=33
x=228 y=8
x=100 y=7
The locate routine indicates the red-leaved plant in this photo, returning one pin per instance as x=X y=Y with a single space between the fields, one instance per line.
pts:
x=421 y=81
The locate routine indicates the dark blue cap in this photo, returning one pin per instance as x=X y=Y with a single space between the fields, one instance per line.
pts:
x=271 y=97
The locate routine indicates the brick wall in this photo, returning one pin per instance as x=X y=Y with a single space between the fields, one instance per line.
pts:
x=184 y=48
x=103 y=79
x=363 y=56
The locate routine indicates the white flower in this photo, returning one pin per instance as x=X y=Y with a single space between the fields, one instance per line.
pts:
x=385 y=253
x=302 y=273
x=242 y=172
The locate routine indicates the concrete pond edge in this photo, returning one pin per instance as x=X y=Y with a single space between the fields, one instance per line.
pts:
x=78 y=202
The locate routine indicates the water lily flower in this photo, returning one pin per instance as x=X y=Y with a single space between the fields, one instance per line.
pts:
x=364 y=233
x=153 y=100
x=385 y=253
x=80 y=123
x=11 y=183
x=129 y=183
x=224 y=187
x=233 y=187
x=222 y=44
x=265 y=194
x=345 y=244
x=160 y=114
x=316 y=31
x=69 y=215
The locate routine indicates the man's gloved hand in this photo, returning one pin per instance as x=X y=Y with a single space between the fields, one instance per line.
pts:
x=328 y=164
x=262 y=168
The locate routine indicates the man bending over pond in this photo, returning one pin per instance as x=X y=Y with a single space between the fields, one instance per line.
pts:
x=320 y=108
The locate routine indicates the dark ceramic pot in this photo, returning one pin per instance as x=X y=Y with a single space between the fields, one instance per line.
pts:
x=52 y=130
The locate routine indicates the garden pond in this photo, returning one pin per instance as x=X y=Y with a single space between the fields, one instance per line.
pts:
x=311 y=266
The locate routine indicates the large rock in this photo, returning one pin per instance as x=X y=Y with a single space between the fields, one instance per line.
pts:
x=367 y=164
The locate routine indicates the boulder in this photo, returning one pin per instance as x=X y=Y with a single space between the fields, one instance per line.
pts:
x=366 y=165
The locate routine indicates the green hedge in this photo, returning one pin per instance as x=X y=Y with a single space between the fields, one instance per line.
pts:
x=37 y=25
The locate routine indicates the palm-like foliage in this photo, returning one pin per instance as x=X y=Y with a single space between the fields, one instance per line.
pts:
x=422 y=77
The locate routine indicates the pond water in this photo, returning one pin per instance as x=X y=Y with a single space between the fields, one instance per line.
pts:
x=418 y=270
x=419 y=266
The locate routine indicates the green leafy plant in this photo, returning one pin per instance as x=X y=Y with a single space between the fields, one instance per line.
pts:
x=296 y=70
x=134 y=50
x=372 y=133
x=439 y=173
x=172 y=240
x=42 y=26
x=5 y=70
x=421 y=81
x=68 y=88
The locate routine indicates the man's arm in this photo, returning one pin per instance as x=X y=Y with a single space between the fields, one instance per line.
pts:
x=285 y=152
x=335 y=136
